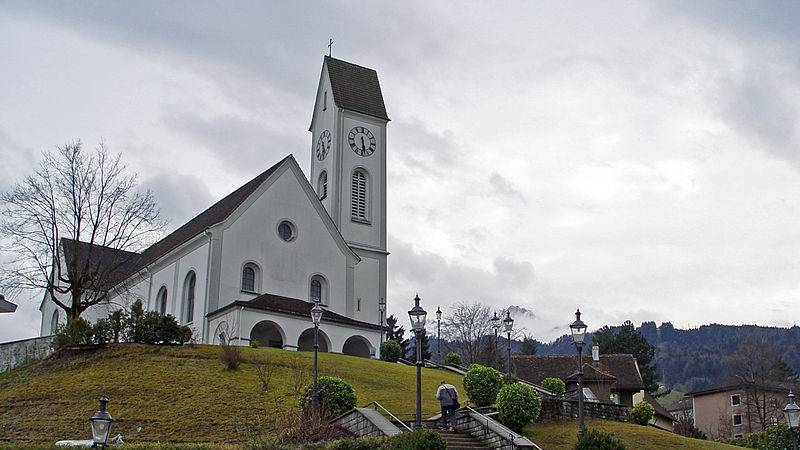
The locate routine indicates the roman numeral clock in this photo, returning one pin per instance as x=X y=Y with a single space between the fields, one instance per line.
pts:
x=362 y=141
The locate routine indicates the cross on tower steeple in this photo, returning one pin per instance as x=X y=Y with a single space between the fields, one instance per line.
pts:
x=330 y=47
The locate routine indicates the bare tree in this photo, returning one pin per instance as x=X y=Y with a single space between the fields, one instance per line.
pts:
x=70 y=227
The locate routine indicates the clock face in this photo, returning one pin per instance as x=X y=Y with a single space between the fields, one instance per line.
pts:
x=323 y=145
x=361 y=141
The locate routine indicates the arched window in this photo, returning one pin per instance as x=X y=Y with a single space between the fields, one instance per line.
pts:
x=54 y=322
x=161 y=301
x=251 y=278
x=188 y=296
x=322 y=185
x=359 y=195
x=318 y=290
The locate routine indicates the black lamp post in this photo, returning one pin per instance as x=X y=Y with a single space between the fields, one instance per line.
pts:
x=578 y=331
x=101 y=424
x=417 y=316
x=496 y=326
x=439 y=334
x=508 y=327
x=792 y=414
x=382 y=310
x=316 y=317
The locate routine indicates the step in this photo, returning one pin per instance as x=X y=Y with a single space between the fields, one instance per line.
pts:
x=461 y=441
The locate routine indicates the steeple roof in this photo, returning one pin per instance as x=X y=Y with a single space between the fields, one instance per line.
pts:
x=356 y=88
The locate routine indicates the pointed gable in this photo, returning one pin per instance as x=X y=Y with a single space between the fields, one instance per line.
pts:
x=356 y=88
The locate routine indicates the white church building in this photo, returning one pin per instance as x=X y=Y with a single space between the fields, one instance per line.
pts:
x=251 y=266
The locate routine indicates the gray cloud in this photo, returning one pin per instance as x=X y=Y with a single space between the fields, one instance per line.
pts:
x=501 y=186
x=180 y=197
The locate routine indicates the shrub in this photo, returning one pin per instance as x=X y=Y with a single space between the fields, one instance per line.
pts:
x=76 y=332
x=598 y=440
x=166 y=331
x=415 y=440
x=336 y=396
x=362 y=443
x=117 y=321
x=482 y=384
x=254 y=343
x=452 y=359
x=103 y=331
x=391 y=351
x=779 y=437
x=230 y=356
x=641 y=413
x=554 y=385
x=517 y=404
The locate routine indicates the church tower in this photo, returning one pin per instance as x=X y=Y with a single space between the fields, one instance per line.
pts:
x=348 y=172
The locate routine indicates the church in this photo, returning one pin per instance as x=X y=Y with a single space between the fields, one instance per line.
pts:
x=251 y=266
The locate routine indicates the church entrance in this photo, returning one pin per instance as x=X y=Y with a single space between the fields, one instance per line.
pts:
x=357 y=346
x=268 y=334
x=306 y=341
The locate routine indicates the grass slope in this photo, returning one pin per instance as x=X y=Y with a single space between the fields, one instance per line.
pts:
x=563 y=435
x=184 y=394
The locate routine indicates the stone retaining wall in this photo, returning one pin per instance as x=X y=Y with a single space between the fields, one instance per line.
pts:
x=366 y=422
x=491 y=433
x=17 y=353
x=559 y=409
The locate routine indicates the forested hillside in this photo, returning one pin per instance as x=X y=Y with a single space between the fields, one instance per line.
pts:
x=689 y=359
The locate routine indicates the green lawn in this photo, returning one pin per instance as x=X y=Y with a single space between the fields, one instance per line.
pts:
x=184 y=394
x=563 y=435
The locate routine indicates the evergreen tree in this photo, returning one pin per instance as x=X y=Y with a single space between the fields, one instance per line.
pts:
x=626 y=339
x=529 y=346
x=411 y=348
x=395 y=333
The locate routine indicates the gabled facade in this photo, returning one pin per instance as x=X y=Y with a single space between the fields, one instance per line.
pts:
x=251 y=266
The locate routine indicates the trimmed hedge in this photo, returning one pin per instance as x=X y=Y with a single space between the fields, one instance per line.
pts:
x=482 y=384
x=554 y=385
x=412 y=440
x=391 y=351
x=336 y=396
x=517 y=405
x=452 y=359
x=641 y=413
x=594 y=439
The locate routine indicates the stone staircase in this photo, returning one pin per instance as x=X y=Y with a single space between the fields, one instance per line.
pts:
x=461 y=441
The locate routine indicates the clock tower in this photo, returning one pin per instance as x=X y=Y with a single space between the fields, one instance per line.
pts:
x=348 y=172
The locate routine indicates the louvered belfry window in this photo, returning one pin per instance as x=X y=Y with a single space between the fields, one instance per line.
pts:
x=358 y=195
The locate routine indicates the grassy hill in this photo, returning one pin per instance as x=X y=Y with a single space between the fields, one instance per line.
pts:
x=563 y=435
x=184 y=394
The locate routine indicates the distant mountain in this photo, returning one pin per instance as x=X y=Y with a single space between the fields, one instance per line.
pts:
x=690 y=359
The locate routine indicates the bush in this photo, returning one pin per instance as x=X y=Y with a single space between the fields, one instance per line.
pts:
x=779 y=437
x=391 y=351
x=415 y=440
x=254 y=343
x=150 y=327
x=362 y=443
x=167 y=331
x=336 y=396
x=103 y=331
x=482 y=383
x=641 y=413
x=452 y=359
x=517 y=405
x=598 y=440
x=554 y=385
x=231 y=356
x=76 y=332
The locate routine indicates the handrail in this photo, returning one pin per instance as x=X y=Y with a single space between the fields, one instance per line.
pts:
x=387 y=412
x=511 y=434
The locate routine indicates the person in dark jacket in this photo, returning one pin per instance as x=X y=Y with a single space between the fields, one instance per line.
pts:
x=448 y=399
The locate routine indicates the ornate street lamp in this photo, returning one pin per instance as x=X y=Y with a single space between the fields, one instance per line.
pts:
x=316 y=317
x=439 y=334
x=792 y=414
x=496 y=326
x=382 y=310
x=508 y=327
x=578 y=331
x=101 y=424
x=417 y=316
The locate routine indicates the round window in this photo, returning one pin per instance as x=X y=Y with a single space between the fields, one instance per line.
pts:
x=286 y=231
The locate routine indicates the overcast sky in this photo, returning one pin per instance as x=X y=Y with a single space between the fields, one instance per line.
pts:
x=639 y=160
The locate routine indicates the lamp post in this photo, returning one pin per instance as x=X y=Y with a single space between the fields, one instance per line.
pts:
x=417 y=316
x=382 y=310
x=496 y=326
x=578 y=331
x=439 y=334
x=101 y=424
x=316 y=317
x=508 y=327
x=792 y=414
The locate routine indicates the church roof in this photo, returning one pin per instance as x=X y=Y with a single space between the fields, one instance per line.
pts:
x=356 y=88
x=293 y=307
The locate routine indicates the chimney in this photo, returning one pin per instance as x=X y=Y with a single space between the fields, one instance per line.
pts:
x=595 y=353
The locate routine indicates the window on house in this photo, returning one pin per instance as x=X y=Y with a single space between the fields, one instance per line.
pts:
x=286 y=231
x=54 y=322
x=318 y=290
x=161 y=301
x=325 y=101
x=322 y=185
x=737 y=419
x=188 y=297
x=250 y=278
x=358 y=304
x=359 y=192
x=736 y=400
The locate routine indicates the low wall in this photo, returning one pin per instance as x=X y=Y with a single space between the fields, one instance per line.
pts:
x=17 y=353
x=559 y=409
x=366 y=422
x=491 y=433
